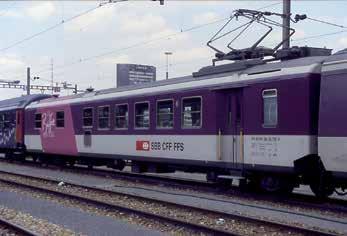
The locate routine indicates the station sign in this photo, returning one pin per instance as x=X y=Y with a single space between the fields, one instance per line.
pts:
x=130 y=74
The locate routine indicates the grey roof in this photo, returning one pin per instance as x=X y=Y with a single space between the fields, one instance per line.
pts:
x=20 y=102
x=255 y=69
x=340 y=55
x=264 y=67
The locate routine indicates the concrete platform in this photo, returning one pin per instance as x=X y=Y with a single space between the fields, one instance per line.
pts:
x=71 y=218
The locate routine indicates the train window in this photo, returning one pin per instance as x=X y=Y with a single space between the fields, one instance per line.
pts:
x=121 y=116
x=165 y=114
x=59 y=119
x=270 y=107
x=18 y=119
x=2 y=119
x=38 y=120
x=142 y=115
x=7 y=122
x=191 y=112
x=104 y=117
x=88 y=117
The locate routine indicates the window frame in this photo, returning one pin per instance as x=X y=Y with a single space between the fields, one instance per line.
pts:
x=109 y=113
x=2 y=121
x=84 y=126
x=56 y=119
x=7 y=120
x=269 y=96
x=115 y=116
x=149 y=116
x=18 y=117
x=36 y=113
x=173 y=113
x=182 y=113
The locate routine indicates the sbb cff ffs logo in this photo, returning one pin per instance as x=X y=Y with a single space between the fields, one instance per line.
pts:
x=159 y=146
x=142 y=145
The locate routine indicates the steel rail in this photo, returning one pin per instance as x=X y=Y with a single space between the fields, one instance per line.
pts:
x=201 y=228
x=147 y=215
x=298 y=199
x=17 y=228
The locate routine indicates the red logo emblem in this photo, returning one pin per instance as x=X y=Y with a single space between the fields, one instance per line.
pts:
x=142 y=145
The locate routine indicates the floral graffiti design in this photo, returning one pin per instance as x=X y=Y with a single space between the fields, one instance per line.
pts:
x=48 y=122
x=6 y=136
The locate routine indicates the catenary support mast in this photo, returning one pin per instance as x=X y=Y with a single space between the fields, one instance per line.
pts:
x=286 y=23
x=28 y=81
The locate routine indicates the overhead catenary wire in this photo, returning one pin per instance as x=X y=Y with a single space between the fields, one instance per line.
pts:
x=107 y=53
x=322 y=35
x=63 y=21
x=318 y=36
x=135 y=45
x=146 y=42
x=5 y=11
x=267 y=6
x=138 y=44
x=327 y=23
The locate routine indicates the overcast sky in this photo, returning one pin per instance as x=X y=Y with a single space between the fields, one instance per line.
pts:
x=85 y=50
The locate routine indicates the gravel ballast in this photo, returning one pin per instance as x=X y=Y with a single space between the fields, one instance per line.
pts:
x=213 y=220
x=36 y=225
x=113 y=182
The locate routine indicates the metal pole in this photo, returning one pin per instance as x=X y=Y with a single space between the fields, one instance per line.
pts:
x=167 y=63
x=167 y=66
x=286 y=24
x=75 y=90
x=28 y=81
x=52 y=82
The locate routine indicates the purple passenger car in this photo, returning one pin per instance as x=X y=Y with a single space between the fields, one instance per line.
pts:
x=277 y=124
x=271 y=124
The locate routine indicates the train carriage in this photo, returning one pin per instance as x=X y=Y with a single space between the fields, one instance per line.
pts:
x=332 y=139
x=272 y=118
x=253 y=122
x=12 y=123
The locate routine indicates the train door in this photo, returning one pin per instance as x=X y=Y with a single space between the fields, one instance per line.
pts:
x=19 y=127
x=233 y=137
x=238 y=124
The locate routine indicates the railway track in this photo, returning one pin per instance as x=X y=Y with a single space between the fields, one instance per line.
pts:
x=294 y=199
x=10 y=228
x=12 y=179
x=333 y=204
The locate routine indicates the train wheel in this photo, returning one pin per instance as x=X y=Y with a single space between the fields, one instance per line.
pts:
x=211 y=176
x=274 y=184
x=250 y=185
x=322 y=185
x=224 y=184
x=118 y=164
x=71 y=163
x=287 y=188
x=270 y=184
x=43 y=160
x=8 y=155
x=322 y=191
